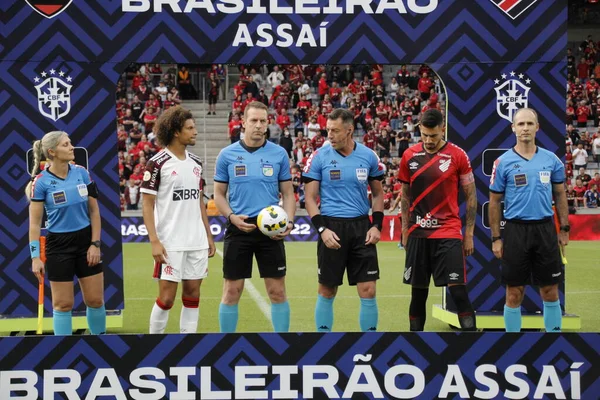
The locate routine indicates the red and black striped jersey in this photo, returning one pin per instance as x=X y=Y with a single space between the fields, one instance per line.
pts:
x=434 y=181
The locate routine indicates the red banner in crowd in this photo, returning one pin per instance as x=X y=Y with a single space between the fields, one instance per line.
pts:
x=583 y=227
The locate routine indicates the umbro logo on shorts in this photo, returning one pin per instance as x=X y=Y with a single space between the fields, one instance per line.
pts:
x=453 y=276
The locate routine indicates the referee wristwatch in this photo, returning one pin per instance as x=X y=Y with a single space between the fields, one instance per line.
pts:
x=565 y=228
x=321 y=229
x=96 y=243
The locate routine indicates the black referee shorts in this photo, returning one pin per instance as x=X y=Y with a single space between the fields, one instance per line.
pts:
x=66 y=255
x=442 y=258
x=354 y=256
x=531 y=254
x=239 y=248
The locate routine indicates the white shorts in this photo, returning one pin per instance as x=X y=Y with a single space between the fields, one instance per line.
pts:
x=183 y=265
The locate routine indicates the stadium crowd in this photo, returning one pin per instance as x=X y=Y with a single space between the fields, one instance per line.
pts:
x=582 y=160
x=386 y=106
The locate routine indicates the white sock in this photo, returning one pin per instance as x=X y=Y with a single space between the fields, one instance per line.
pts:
x=188 y=321
x=158 y=318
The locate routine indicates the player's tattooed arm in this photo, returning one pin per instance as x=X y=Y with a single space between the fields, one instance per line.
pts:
x=405 y=205
x=471 y=198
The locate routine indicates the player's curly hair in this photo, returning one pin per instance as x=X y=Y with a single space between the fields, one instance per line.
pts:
x=169 y=123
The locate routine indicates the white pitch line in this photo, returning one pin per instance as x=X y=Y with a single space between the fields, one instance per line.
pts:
x=262 y=304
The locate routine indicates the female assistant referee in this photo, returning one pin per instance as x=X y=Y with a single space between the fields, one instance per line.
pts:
x=69 y=196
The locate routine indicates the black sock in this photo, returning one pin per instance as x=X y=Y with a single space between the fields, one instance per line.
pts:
x=417 y=312
x=466 y=314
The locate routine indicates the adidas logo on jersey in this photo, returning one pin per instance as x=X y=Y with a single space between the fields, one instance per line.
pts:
x=444 y=165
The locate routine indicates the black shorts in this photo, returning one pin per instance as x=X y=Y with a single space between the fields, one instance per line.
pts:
x=531 y=254
x=212 y=98
x=442 y=258
x=66 y=255
x=239 y=247
x=354 y=256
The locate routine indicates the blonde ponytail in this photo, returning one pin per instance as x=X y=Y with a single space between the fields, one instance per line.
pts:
x=40 y=148
x=37 y=159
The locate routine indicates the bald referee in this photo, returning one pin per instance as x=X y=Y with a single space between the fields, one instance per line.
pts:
x=527 y=177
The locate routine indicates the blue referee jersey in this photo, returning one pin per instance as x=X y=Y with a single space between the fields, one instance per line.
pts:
x=65 y=200
x=253 y=175
x=527 y=184
x=343 y=179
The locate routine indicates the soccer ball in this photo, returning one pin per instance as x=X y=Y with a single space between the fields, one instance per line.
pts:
x=272 y=220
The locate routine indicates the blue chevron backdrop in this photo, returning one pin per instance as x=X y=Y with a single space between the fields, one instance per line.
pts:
x=319 y=366
x=473 y=45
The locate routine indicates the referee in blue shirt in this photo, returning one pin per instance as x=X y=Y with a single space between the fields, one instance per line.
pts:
x=340 y=174
x=527 y=177
x=69 y=197
x=255 y=171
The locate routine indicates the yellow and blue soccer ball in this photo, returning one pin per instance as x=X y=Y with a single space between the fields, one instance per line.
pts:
x=272 y=220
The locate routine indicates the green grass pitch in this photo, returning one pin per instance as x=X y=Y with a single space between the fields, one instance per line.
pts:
x=583 y=292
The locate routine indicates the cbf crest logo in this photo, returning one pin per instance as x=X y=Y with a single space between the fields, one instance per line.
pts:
x=53 y=94
x=49 y=8
x=511 y=94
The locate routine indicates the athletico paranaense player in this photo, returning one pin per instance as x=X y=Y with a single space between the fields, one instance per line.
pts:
x=431 y=173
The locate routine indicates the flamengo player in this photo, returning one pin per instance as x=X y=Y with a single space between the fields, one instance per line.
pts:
x=430 y=173
x=176 y=220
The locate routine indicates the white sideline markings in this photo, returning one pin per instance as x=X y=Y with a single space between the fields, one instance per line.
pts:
x=262 y=304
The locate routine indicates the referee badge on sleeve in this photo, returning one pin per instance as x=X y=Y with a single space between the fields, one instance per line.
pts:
x=545 y=177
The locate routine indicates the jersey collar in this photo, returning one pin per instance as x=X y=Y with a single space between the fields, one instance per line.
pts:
x=348 y=154
x=58 y=177
x=517 y=153
x=251 y=149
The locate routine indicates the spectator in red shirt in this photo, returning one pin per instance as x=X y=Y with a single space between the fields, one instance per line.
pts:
x=335 y=93
x=425 y=86
x=283 y=119
x=583 y=70
x=154 y=103
x=323 y=86
x=137 y=81
x=570 y=112
x=317 y=141
x=169 y=102
x=149 y=119
x=143 y=93
x=249 y=99
x=235 y=128
x=376 y=78
x=370 y=140
x=583 y=112
x=579 y=189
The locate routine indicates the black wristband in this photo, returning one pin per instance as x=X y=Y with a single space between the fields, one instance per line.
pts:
x=318 y=222
x=494 y=238
x=377 y=220
x=229 y=216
